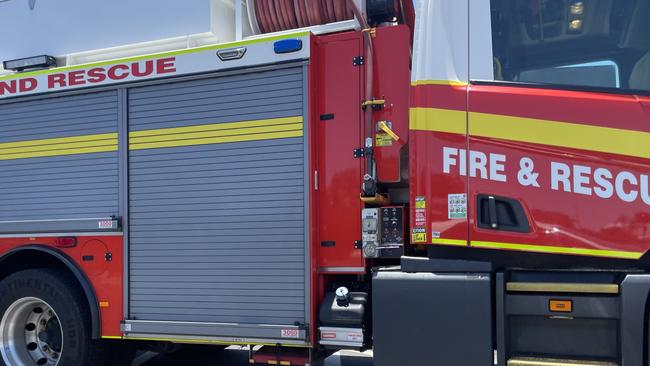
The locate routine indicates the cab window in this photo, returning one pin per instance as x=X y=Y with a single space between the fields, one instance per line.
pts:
x=573 y=43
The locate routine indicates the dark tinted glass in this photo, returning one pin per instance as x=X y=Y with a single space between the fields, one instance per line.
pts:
x=579 y=43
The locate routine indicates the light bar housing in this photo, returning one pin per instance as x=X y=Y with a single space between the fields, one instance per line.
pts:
x=34 y=62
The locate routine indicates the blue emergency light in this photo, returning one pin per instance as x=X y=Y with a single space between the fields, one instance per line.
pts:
x=287 y=46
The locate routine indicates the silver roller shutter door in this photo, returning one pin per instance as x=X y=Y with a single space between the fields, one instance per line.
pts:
x=58 y=158
x=218 y=230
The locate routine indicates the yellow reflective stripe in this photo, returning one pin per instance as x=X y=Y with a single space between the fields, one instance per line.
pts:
x=439 y=82
x=155 y=55
x=257 y=130
x=557 y=250
x=59 y=146
x=194 y=136
x=216 y=127
x=59 y=140
x=44 y=154
x=536 y=131
x=111 y=337
x=453 y=242
x=438 y=120
x=217 y=140
x=62 y=146
x=217 y=133
x=562 y=134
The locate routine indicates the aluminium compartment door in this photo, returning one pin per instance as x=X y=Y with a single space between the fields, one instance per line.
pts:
x=218 y=203
x=58 y=162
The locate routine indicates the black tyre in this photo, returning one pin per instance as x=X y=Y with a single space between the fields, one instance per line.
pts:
x=44 y=321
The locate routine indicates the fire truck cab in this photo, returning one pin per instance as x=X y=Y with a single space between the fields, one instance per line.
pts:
x=451 y=183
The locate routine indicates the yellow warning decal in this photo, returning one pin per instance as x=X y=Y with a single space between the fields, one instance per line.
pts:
x=383 y=140
x=419 y=235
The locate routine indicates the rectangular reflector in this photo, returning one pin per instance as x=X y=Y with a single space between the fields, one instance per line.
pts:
x=561 y=306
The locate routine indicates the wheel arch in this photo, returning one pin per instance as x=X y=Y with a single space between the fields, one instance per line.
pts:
x=46 y=257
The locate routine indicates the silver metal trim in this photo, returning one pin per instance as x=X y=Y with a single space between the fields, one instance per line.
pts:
x=226 y=332
x=181 y=338
x=58 y=225
x=341 y=269
x=307 y=196
x=123 y=164
x=61 y=234
x=57 y=220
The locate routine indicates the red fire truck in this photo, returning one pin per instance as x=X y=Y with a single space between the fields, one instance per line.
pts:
x=460 y=184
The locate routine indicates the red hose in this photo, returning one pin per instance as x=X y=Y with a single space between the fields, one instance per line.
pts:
x=339 y=9
x=260 y=20
x=279 y=15
x=301 y=13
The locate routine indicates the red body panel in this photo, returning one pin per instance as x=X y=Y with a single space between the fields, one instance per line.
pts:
x=392 y=75
x=338 y=91
x=425 y=167
x=574 y=220
x=560 y=218
x=106 y=277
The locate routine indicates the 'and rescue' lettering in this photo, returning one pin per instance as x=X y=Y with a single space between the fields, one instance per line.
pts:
x=115 y=73
x=88 y=77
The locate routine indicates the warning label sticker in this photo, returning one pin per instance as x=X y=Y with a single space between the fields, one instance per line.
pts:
x=420 y=211
x=290 y=333
x=419 y=235
x=383 y=140
x=457 y=206
x=420 y=216
x=105 y=224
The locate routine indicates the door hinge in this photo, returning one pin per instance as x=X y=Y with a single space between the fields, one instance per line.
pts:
x=362 y=152
x=358 y=244
x=358 y=61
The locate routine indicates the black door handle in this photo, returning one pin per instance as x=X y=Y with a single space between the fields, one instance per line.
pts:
x=501 y=213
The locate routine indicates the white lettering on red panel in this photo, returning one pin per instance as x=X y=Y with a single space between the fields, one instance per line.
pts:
x=571 y=178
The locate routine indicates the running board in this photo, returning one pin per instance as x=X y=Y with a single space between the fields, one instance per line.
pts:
x=553 y=362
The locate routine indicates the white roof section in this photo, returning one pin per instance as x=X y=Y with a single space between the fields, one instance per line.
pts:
x=86 y=31
x=442 y=42
x=63 y=27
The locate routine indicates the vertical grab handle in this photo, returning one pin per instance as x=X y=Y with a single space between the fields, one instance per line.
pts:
x=492 y=212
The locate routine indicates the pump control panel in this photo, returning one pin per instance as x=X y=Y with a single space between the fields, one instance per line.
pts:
x=392 y=225
x=383 y=232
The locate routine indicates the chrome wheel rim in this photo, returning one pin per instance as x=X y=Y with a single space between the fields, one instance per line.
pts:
x=30 y=334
